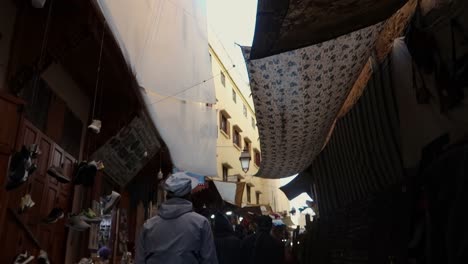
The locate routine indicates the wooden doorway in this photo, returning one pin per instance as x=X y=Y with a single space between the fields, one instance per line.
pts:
x=26 y=231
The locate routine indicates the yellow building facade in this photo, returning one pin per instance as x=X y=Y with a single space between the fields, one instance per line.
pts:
x=237 y=131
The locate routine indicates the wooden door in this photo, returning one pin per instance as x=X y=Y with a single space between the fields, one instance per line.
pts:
x=10 y=119
x=27 y=231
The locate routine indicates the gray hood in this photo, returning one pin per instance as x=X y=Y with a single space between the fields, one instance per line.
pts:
x=174 y=208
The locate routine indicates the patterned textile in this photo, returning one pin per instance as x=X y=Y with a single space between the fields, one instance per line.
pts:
x=284 y=25
x=363 y=155
x=298 y=94
x=394 y=28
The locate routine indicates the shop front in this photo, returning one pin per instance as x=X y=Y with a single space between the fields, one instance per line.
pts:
x=71 y=114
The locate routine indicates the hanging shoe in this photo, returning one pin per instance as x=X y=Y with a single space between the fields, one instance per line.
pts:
x=11 y=185
x=57 y=173
x=85 y=261
x=78 y=172
x=99 y=164
x=89 y=216
x=23 y=258
x=35 y=151
x=95 y=126
x=54 y=215
x=18 y=174
x=26 y=203
x=43 y=258
x=110 y=201
x=75 y=222
x=86 y=173
x=32 y=169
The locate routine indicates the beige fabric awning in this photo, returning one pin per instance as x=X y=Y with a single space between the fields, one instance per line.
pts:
x=298 y=95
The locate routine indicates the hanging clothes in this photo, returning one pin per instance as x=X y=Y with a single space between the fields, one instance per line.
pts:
x=420 y=121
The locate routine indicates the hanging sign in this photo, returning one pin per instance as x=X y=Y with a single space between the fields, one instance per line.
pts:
x=125 y=154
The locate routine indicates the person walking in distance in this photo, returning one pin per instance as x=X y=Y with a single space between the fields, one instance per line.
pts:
x=262 y=247
x=177 y=235
x=228 y=245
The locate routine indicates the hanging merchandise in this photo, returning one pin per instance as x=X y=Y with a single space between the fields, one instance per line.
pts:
x=23 y=258
x=86 y=261
x=438 y=43
x=86 y=172
x=76 y=223
x=110 y=201
x=96 y=124
x=126 y=258
x=104 y=232
x=22 y=166
x=409 y=82
x=90 y=217
x=123 y=232
x=54 y=215
x=43 y=258
x=57 y=173
x=160 y=173
x=26 y=203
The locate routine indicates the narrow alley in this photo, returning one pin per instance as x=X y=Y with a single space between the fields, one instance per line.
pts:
x=220 y=131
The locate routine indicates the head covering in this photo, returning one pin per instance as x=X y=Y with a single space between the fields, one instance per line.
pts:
x=264 y=223
x=278 y=222
x=222 y=224
x=180 y=184
x=104 y=253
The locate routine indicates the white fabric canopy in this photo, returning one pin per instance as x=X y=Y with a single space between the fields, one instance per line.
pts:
x=227 y=190
x=165 y=42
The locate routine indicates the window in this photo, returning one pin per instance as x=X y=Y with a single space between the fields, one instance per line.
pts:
x=225 y=173
x=234 y=96
x=253 y=123
x=223 y=79
x=245 y=110
x=257 y=158
x=248 y=145
x=224 y=123
x=257 y=196
x=248 y=194
x=236 y=138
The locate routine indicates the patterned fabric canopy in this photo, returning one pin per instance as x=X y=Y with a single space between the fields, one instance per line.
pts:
x=284 y=25
x=298 y=94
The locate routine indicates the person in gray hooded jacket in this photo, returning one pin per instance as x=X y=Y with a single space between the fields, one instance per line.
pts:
x=176 y=235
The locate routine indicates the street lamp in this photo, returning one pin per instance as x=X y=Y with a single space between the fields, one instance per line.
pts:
x=245 y=160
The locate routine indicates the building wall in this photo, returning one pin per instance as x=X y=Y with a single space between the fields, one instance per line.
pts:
x=7 y=22
x=64 y=86
x=227 y=152
x=68 y=90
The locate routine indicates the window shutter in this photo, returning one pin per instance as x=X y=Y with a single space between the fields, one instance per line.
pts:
x=220 y=121
x=228 y=128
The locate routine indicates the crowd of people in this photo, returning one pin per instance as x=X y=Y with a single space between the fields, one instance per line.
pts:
x=178 y=235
